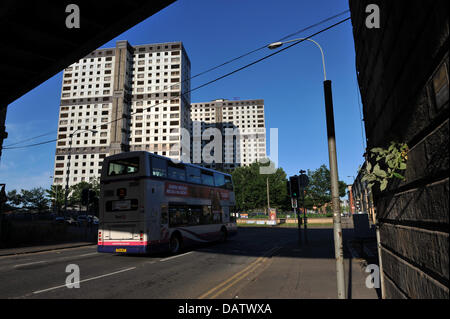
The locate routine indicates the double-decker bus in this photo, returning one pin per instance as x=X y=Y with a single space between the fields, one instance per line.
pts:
x=150 y=203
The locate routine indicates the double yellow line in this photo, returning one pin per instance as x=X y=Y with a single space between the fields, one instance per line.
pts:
x=218 y=290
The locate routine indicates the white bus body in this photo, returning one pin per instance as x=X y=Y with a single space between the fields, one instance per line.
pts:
x=149 y=203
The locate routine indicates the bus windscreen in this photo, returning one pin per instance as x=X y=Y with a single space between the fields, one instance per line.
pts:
x=123 y=166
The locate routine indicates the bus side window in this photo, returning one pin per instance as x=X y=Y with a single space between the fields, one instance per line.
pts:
x=178 y=216
x=195 y=214
x=206 y=217
x=164 y=217
x=226 y=214
x=217 y=216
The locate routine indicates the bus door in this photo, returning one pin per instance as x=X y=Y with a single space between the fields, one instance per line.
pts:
x=226 y=214
x=164 y=223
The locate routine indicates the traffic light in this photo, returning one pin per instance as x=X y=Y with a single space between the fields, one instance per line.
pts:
x=3 y=197
x=294 y=185
x=358 y=205
x=288 y=186
x=87 y=196
x=303 y=180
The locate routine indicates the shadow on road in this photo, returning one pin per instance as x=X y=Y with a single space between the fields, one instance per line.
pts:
x=251 y=241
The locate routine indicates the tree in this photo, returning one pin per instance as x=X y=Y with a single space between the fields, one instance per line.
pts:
x=13 y=200
x=56 y=195
x=318 y=192
x=95 y=185
x=75 y=191
x=250 y=188
x=34 y=199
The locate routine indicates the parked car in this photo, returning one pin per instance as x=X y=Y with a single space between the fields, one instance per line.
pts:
x=71 y=221
x=82 y=219
x=59 y=220
x=94 y=220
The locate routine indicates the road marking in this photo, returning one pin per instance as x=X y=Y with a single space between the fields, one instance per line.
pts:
x=98 y=277
x=168 y=258
x=96 y=253
x=36 y=262
x=237 y=277
x=54 y=260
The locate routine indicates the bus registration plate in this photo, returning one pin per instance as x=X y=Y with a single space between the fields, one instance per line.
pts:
x=121 y=205
x=121 y=250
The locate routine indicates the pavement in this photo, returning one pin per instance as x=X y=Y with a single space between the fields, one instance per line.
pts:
x=306 y=271
x=42 y=248
x=260 y=262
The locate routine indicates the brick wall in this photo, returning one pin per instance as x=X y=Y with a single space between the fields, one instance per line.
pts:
x=401 y=70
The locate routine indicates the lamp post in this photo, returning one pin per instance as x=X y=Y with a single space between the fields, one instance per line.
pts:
x=68 y=166
x=337 y=227
x=268 y=198
x=55 y=198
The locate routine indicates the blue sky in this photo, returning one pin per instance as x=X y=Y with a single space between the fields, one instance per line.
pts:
x=214 y=31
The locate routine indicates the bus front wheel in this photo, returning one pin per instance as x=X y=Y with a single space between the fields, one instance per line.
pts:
x=175 y=244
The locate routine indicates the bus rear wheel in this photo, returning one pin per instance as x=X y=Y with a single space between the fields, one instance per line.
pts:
x=175 y=244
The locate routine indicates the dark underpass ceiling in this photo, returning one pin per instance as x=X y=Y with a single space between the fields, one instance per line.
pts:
x=36 y=44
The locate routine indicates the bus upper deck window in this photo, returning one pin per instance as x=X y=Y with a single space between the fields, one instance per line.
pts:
x=175 y=171
x=193 y=174
x=228 y=183
x=219 y=179
x=207 y=179
x=123 y=166
x=159 y=167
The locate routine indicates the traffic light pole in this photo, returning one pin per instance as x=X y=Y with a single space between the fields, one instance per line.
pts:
x=305 y=220
x=295 y=196
x=337 y=227
x=299 y=224
x=303 y=182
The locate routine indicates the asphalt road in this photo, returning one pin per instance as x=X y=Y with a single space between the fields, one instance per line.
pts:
x=210 y=271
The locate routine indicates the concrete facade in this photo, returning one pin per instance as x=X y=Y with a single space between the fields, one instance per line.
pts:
x=243 y=121
x=113 y=92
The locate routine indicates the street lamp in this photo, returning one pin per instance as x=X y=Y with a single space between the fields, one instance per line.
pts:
x=68 y=165
x=275 y=45
x=338 y=246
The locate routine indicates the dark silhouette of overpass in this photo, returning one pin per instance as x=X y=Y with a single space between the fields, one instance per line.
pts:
x=37 y=44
